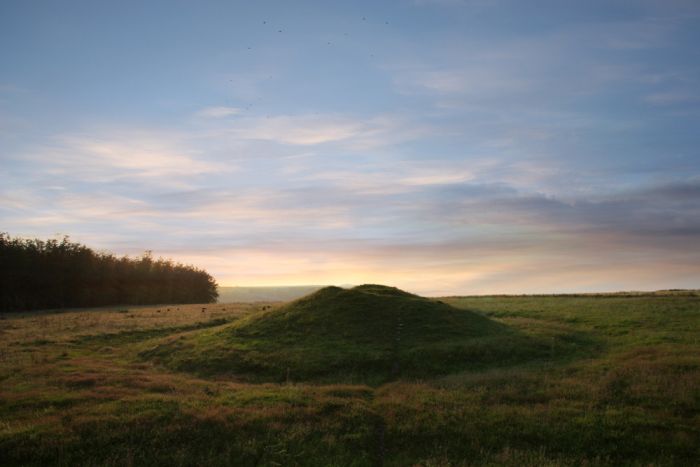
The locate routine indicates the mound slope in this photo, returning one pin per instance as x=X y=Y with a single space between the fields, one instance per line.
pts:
x=370 y=333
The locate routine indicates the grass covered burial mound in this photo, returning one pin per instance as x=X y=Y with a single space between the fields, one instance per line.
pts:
x=369 y=334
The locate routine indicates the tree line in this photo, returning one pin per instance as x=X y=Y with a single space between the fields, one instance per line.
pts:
x=39 y=274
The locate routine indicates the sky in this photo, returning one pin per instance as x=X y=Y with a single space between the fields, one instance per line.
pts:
x=441 y=146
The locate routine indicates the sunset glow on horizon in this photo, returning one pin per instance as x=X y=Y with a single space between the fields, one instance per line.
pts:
x=441 y=146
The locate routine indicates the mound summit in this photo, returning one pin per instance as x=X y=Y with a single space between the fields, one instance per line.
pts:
x=370 y=333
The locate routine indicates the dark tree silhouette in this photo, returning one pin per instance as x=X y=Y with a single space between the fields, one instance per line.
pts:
x=37 y=274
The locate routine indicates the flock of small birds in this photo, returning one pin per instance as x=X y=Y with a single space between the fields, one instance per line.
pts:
x=279 y=31
x=328 y=43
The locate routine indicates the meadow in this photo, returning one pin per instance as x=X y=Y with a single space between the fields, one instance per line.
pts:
x=611 y=380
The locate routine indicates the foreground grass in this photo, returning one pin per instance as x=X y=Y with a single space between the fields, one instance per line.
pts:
x=74 y=391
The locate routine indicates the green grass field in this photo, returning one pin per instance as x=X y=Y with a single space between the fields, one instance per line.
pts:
x=543 y=380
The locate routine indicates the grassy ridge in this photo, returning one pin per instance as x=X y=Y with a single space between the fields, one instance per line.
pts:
x=631 y=396
x=368 y=334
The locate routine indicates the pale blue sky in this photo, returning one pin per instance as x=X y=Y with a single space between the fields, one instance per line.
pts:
x=443 y=146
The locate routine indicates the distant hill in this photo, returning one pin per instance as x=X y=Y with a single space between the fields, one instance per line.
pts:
x=264 y=294
x=368 y=334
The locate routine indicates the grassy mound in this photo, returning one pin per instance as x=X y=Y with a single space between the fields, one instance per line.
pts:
x=369 y=334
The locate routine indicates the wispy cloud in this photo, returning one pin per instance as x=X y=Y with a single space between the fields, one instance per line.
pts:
x=299 y=130
x=310 y=130
x=575 y=60
x=672 y=98
x=113 y=155
x=218 y=112
x=456 y=2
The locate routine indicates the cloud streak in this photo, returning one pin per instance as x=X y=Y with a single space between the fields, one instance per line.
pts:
x=218 y=112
